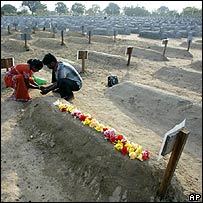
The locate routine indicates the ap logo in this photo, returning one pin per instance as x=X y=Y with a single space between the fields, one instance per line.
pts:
x=194 y=197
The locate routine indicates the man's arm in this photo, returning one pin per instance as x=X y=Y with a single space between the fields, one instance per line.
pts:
x=45 y=90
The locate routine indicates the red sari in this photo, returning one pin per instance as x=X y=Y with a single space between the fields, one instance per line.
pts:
x=15 y=78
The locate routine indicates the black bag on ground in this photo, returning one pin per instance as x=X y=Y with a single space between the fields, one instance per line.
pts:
x=112 y=80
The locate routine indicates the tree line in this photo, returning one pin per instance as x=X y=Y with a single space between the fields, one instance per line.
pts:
x=36 y=8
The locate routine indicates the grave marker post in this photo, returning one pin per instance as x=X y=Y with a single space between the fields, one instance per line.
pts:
x=9 y=32
x=189 y=41
x=165 y=42
x=82 y=55
x=26 y=36
x=129 y=52
x=114 y=35
x=83 y=30
x=7 y=63
x=62 y=42
x=175 y=144
x=89 y=33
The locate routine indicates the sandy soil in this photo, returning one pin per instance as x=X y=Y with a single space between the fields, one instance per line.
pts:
x=153 y=95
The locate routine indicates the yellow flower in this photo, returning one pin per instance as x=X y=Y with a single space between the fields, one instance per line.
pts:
x=138 y=150
x=99 y=128
x=87 y=121
x=128 y=145
x=118 y=145
x=70 y=108
x=63 y=106
x=94 y=123
x=87 y=114
x=135 y=146
x=140 y=157
x=132 y=155
x=131 y=149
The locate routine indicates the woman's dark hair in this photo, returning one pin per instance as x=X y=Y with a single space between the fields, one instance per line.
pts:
x=48 y=58
x=36 y=63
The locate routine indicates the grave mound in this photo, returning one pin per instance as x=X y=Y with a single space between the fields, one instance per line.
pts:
x=80 y=158
x=180 y=78
x=14 y=45
x=194 y=45
x=159 y=111
x=197 y=65
x=107 y=59
x=48 y=43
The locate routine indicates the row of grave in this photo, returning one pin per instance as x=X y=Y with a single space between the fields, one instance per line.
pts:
x=154 y=28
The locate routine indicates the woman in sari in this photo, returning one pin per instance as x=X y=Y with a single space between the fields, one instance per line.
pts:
x=19 y=78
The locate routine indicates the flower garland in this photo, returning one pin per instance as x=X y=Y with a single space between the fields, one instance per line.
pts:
x=120 y=142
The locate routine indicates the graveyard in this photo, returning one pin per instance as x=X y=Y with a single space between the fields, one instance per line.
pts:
x=49 y=155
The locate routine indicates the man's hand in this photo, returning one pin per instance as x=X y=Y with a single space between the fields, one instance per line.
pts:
x=44 y=90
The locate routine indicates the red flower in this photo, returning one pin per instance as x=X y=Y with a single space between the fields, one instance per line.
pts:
x=82 y=117
x=119 y=137
x=145 y=155
x=104 y=129
x=124 y=141
x=124 y=150
x=63 y=109
x=112 y=139
x=76 y=114
x=107 y=135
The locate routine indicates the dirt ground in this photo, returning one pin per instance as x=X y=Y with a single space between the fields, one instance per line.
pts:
x=154 y=94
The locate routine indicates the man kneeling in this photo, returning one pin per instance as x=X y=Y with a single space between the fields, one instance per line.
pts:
x=65 y=78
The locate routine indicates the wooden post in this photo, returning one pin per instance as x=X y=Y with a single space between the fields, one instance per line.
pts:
x=15 y=27
x=26 y=46
x=83 y=31
x=25 y=40
x=89 y=37
x=173 y=161
x=189 y=43
x=9 y=30
x=7 y=65
x=114 y=34
x=62 y=43
x=165 y=42
x=83 y=63
x=82 y=55
x=129 y=52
